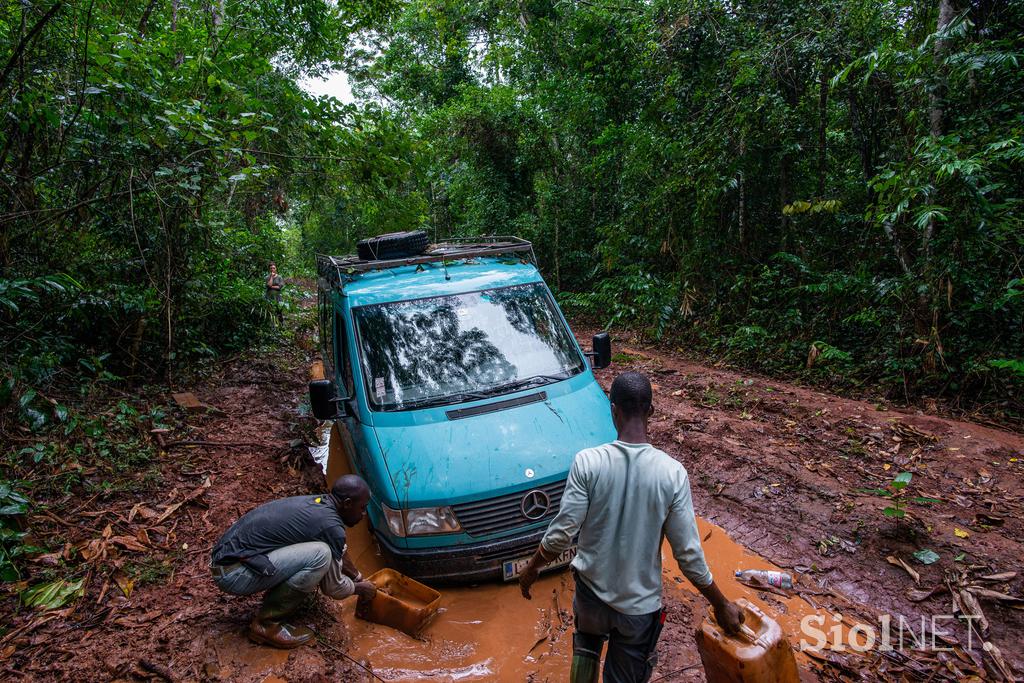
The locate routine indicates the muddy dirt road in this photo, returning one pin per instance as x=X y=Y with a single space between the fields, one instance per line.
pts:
x=776 y=472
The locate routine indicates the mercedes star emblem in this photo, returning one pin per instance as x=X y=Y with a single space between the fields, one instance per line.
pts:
x=535 y=504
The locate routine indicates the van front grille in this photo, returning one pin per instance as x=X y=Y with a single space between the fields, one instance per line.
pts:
x=483 y=517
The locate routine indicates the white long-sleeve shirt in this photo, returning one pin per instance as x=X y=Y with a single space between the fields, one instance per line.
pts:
x=623 y=498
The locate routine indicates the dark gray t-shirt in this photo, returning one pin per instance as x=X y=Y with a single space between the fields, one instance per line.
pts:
x=279 y=523
x=274 y=294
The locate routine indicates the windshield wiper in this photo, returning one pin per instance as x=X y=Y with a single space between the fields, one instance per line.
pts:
x=527 y=382
x=434 y=401
x=490 y=392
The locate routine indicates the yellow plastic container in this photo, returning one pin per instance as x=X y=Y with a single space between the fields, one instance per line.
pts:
x=759 y=654
x=401 y=602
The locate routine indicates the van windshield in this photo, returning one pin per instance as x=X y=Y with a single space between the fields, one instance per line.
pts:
x=450 y=349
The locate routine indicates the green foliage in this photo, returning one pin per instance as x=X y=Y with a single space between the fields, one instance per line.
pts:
x=837 y=180
x=150 y=154
x=1014 y=366
x=758 y=181
x=148 y=570
x=629 y=296
x=896 y=492
x=53 y=594
x=12 y=505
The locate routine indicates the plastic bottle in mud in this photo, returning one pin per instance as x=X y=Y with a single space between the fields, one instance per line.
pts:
x=766 y=577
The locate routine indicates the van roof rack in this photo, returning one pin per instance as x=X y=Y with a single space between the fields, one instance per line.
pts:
x=333 y=269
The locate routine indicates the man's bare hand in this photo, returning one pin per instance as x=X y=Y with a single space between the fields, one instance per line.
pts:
x=365 y=590
x=527 y=579
x=729 y=616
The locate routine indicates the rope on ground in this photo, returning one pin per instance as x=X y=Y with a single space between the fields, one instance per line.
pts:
x=323 y=641
x=671 y=674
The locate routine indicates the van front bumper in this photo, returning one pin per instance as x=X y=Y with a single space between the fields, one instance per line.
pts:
x=461 y=563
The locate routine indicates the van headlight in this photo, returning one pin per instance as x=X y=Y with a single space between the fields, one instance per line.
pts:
x=421 y=521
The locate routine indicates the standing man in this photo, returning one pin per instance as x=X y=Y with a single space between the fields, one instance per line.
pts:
x=288 y=548
x=622 y=498
x=275 y=283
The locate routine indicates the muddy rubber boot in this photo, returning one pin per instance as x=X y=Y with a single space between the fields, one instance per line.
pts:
x=267 y=626
x=586 y=658
x=584 y=669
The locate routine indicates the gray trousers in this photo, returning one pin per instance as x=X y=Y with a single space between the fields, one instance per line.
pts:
x=631 y=639
x=301 y=566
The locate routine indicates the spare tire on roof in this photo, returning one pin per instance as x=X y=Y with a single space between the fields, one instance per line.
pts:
x=393 y=245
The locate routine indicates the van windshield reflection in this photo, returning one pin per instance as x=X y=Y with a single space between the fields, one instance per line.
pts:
x=464 y=347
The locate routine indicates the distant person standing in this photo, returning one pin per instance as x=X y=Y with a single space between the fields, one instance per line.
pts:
x=622 y=498
x=275 y=283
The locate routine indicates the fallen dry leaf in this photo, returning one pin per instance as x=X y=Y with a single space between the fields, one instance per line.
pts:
x=124 y=583
x=919 y=594
x=997 y=657
x=167 y=512
x=1003 y=576
x=960 y=533
x=982 y=519
x=972 y=608
x=893 y=560
x=96 y=549
x=129 y=543
x=48 y=560
x=995 y=595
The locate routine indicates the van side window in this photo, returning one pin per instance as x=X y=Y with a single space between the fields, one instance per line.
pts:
x=325 y=310
x=341 y=353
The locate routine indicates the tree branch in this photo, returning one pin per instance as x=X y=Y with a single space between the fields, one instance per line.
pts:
x=29 y=37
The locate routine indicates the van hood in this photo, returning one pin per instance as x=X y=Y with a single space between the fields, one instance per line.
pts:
x=444 y=461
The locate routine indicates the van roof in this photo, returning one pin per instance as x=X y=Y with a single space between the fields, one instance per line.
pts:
x=403 y=283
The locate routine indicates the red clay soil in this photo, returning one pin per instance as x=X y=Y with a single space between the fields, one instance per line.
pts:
x=778 y=466
x=181 y=627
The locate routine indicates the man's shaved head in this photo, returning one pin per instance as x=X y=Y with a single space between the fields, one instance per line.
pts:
x=351 y=494
x=350 y=486
x=631 y=395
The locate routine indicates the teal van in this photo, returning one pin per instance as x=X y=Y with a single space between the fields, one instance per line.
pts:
x=459 y=394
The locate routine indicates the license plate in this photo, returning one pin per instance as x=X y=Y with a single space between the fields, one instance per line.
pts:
x=511 y=569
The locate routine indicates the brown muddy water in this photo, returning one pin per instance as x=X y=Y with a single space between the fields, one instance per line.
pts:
x=489 y=632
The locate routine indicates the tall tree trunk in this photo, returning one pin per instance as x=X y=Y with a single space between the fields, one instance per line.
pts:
x=785 y=198
x=822 y=130
x=937 y=111
x=926 y=320
x=26 y=39
x=146 y=13
x=741 y=185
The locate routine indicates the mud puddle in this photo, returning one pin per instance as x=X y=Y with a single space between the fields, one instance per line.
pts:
x=490 y=632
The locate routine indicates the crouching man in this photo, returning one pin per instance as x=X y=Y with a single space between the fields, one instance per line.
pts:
x=288 y=548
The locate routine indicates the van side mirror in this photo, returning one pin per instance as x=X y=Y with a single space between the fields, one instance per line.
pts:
x=323 y=399
x=602 y=354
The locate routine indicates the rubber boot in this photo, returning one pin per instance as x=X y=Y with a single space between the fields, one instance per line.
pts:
x=586 y=658
x=584 y=669
x=268 y=627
